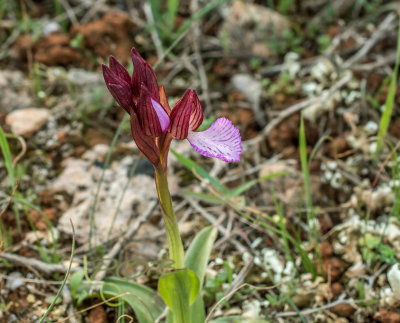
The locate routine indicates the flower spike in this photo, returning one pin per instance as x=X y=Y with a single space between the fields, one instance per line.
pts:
x=154 y=124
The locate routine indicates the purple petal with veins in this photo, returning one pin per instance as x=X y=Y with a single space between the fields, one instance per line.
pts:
x=162 y=115
x=222 y=140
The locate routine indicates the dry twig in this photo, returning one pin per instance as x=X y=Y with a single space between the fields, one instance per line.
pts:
x=37 y=264
x=317 y=309
x=381 y=31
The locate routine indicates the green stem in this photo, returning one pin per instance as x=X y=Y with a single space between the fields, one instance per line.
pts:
x=176 y=253
x=175 y=245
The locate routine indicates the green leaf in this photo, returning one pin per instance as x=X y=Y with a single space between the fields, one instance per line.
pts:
x=75 y=281
x=244 y=187
x=196 y=259
x=200 y=171
x=144 y=301
x=82 y=296
x=199 y=252
x=179 y=290
x=238 y=319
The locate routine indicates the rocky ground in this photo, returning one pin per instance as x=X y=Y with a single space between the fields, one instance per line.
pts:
x=261 y=64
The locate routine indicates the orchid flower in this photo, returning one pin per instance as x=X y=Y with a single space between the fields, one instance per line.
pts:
x=154 y=124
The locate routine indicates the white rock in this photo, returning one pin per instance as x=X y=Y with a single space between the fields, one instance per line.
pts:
x=251 y=89
x=26 y=122
x=51 y=27
x=394 y=279
x=248 y=27
x=371 y=127
x=80 y=179
x=15 y=280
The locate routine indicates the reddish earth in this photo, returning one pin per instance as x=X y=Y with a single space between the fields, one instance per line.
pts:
x=111 y=35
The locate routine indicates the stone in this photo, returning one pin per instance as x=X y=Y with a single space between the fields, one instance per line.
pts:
x=14 y=89
x=15 y=280
x=251 y=89
x=250 y=26
x=79 y=180
x=343 y=310
x=26 y=122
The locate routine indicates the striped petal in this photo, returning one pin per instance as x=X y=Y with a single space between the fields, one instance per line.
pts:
x=180 y=116
x=119 y=70
x=152 y=116
x=222 y=140
x=119 y=89
x=143 y=74
x=196 y=115
x=122 y=95
x=164 y=100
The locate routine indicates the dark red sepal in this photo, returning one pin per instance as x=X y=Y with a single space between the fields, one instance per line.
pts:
x=145 y=143
x=148 y=117
x=143 y=74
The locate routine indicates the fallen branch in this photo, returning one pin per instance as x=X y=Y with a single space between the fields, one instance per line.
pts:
x=36 y=264
x=380 y=32
x=317 y=309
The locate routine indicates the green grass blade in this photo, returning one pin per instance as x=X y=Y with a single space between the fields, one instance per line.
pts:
x=172 y=7
x=304 y=168
x=208 y=198
x=387 y=114
x=200 y=14
x=65 y=278
x=5 y=148
x=92 y=228
x=238 y=319
x=21 y=200
x=311 y=217
x=244 y=187
x=305 y=259
x=200 y=171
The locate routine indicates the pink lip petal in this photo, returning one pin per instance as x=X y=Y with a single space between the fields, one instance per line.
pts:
x=222 y=140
